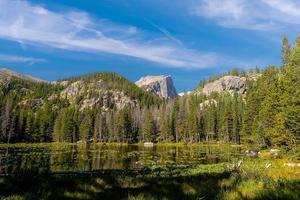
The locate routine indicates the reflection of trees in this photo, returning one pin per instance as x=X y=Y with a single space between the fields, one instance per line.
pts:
x=14 y=162
x=64 y=158
x=89 y=157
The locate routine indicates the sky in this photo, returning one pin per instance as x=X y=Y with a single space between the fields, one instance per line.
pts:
x=190 y=40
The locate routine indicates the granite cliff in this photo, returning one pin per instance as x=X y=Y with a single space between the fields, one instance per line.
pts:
x=161 y=86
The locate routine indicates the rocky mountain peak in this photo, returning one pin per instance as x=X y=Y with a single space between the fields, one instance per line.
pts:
x=159 y=85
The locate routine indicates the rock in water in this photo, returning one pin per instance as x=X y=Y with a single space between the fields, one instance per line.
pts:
x=160 y=85
x=227 y=83
x=148 y=144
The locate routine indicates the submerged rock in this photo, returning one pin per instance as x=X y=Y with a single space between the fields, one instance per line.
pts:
x=148 y=144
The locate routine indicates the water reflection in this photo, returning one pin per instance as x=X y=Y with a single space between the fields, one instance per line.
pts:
x=67 y=158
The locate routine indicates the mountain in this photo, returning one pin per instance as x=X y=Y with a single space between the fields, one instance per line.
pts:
x=6 y=73
x=37 y=111
x=161 y=86
x=105 y=90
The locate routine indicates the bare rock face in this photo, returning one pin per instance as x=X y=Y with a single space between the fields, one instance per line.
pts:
x=73 y=90
x=92 y=94
x=119 y=99
x=159 y=85
x=227 y=83
x=33 y=103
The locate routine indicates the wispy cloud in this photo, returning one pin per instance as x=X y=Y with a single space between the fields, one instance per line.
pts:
x=166 y=33
x=26 y=23
x=262 y=15
x=19 y=59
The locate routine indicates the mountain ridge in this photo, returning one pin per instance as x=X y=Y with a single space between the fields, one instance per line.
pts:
x=7 y=73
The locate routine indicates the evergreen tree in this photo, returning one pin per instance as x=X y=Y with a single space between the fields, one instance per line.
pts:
x=125 y=126
x=100 y=129
x=86 y=129
x=149 y=128
x=286 y=50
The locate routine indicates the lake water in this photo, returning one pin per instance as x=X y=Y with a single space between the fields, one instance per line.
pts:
x=92 y=158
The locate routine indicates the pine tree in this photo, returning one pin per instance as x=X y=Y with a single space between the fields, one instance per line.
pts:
x=174 y=121
x=86 y=129
x=192 y=123
x=100 y=130
x=6 y=121
x=149 y=128
x=269 y=107
x=125 y=126
x=250 y=120
x=286 y=50
x=288 y=119
x=163 y=124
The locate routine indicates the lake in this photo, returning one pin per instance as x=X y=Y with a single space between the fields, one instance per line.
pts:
x=57 y=158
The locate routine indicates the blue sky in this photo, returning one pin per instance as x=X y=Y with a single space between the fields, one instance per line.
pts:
x=188 y=39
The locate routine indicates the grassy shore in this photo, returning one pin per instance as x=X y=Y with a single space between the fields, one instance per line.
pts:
x=247 y=179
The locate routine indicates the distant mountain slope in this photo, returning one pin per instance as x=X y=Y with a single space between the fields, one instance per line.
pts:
x=6 y=73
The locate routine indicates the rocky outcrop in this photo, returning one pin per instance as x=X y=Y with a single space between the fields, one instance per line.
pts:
x=207 y=103
x=118 y=99
x=32 y=103
x=90 y=94
x=73 y=90
x=159 y=85
x=227 y=83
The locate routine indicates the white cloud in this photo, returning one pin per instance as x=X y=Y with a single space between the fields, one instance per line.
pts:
x=29 y=24
x=263 y=15
x=25 y=23
x=19 y=59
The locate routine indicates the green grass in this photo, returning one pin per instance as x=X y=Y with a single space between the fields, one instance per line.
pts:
x=217 y=181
